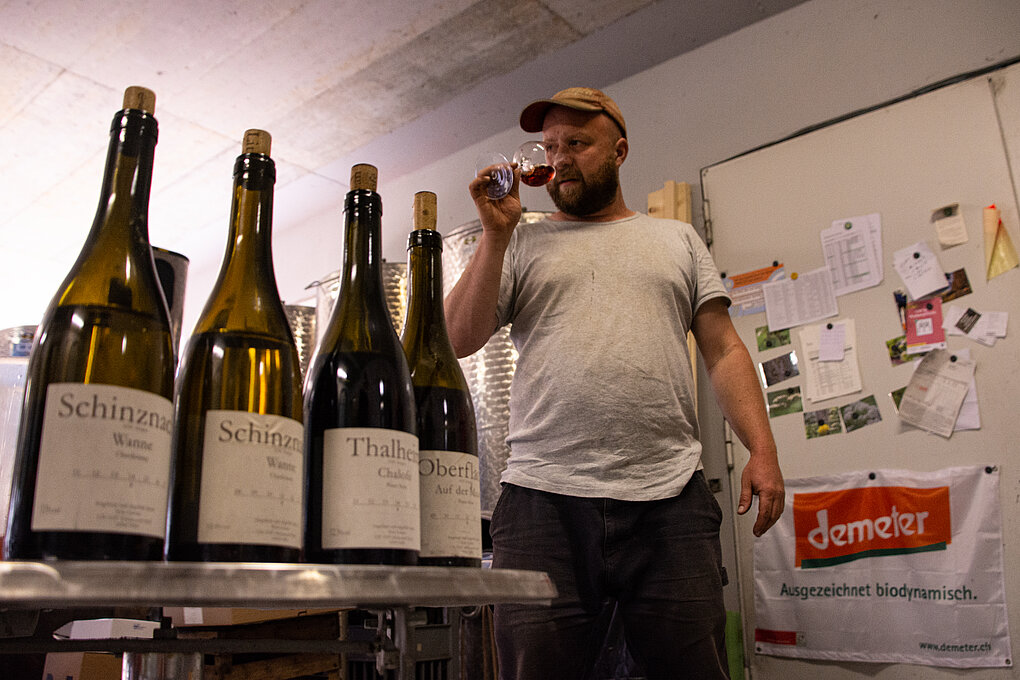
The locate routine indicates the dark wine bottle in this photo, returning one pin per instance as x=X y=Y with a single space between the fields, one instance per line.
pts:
x=361 y=443
x=237 y=487
x=93 y=457
x=451 y=513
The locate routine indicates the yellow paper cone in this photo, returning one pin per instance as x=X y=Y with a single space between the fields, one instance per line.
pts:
x=1000 y=255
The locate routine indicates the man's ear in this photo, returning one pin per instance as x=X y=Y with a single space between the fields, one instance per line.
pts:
x=622 y=148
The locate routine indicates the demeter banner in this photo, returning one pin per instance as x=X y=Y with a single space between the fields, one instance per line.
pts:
x=889 y=566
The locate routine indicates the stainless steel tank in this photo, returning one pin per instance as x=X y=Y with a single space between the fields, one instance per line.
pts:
x=488 y=371
x=301 y=319
x=394 y=288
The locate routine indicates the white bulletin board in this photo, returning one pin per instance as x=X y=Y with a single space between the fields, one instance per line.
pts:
x=953 y=144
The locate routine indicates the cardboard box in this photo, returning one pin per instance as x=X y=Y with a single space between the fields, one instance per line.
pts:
x=225 y=616
x=82 y=666
x=107 y=629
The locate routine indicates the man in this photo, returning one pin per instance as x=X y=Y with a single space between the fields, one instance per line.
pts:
x=603 y=489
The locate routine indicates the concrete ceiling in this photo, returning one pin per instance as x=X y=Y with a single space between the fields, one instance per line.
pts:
x=326 y=77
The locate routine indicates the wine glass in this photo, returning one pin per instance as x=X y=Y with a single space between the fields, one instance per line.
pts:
x=529 y=157
x=501 y=175
x=535 y=170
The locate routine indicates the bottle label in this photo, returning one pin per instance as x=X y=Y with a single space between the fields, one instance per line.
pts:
x=104 y=460
x=451 y=505
x=370 y=489
x=252 y=479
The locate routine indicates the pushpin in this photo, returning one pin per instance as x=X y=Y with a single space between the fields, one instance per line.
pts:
x=793 y=276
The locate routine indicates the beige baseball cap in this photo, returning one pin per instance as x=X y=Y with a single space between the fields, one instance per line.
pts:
x=579 y=98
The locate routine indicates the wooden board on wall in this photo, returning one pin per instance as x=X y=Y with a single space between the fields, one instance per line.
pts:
x=673 y=201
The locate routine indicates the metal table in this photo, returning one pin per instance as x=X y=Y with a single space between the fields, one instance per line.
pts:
x=28 y=587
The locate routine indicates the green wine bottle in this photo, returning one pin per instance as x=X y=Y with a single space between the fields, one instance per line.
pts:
x=451 y=513
x=238 y=440
x=361 y=443
x=93 y=457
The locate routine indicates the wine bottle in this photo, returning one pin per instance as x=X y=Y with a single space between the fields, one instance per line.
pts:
x=451 y=512
x=361 y=443
x=93 y=459
x=238 y=478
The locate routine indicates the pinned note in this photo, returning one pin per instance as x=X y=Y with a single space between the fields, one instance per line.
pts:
x=924 y=326
x=831 y=342
x=919 y=268
x=949 y=225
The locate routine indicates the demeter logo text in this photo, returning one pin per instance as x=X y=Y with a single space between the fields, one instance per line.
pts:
x=834 y=527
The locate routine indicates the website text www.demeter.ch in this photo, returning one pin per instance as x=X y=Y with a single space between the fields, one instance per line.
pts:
x=957 y=647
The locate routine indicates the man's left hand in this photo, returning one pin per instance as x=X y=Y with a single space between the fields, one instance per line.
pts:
x=762 y=478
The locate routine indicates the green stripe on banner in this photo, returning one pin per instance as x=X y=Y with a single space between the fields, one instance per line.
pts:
x=843 y=559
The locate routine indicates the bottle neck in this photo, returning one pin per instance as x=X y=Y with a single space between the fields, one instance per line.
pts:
x=425 y=282
x=363 y=245
x=115 y=266
x=249 y=257
x=245 y=296
x=124 y=199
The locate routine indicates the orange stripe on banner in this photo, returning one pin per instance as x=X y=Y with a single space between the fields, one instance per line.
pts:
x=839 y=526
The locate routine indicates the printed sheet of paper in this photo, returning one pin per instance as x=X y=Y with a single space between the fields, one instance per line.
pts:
x=853 y=252
x=980 y=326
x=746 y=295
x=936 y=392
x=827 y=379
x=969 y=417
x=920 y=270
x=793 y=302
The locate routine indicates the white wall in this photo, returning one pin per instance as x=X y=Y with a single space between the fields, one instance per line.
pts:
x=819 y=60
x=815 y=62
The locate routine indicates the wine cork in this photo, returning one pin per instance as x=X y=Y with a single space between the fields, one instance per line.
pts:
x=142 y=98
x=256 y=141
x=425 y=210
x=364 y=177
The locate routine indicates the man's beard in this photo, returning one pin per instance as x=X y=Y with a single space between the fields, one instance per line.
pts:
x=590 y=195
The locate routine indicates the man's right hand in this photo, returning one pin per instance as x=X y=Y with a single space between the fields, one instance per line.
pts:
x=471 y=317
x=498 y=217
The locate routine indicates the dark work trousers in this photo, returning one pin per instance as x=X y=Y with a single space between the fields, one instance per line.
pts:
x=657 y=562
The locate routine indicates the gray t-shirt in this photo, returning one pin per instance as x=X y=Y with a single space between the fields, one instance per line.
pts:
x=601 y=402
